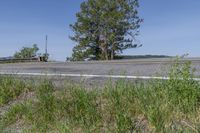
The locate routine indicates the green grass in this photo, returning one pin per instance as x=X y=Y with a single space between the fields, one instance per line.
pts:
x=170 y=106
x=11 y=88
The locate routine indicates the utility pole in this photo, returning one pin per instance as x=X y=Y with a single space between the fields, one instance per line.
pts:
x=46 y=52
x=45 y=57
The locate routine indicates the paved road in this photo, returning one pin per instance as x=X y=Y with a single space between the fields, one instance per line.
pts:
x=139 y=67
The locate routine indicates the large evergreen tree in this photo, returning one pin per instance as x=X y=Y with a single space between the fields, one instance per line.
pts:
x=104 y=28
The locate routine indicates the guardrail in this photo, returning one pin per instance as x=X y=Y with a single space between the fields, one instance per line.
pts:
x=15 y=60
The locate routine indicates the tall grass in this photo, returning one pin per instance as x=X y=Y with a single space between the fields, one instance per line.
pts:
x=169 y=106
x=11 y=88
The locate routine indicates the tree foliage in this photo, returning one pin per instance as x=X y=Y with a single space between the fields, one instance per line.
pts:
x=27 y=52
x=105 y=28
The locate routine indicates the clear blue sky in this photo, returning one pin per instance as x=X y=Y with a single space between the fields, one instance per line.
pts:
x=170 y=27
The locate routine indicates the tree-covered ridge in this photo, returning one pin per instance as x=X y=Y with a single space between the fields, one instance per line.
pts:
x=105 y=28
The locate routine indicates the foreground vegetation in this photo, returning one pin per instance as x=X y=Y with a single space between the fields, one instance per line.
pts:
x=157 y=106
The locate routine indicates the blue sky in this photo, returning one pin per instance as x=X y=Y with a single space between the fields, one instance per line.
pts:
x=171 y=27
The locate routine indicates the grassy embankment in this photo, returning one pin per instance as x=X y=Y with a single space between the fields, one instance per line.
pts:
x=170 y=106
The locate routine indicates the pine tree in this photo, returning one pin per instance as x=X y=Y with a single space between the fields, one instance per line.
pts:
x=105 y=27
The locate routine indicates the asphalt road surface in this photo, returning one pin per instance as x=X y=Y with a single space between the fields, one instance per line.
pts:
x=138 y=68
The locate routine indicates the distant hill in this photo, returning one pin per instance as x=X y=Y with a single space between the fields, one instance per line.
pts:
x=6 y=58
x=141 y=56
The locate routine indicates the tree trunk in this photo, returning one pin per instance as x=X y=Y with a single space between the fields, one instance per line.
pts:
x=112 y=54
x=106 y=48
x=106 y=55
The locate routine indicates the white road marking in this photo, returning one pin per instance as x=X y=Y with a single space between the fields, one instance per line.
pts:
x=90 y=76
